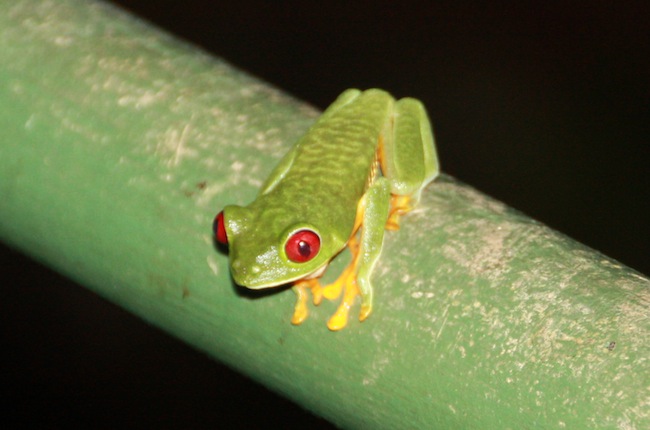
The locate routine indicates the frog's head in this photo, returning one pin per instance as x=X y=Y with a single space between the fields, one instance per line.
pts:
x=268 y=250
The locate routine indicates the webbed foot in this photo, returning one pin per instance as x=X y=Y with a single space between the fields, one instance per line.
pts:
x=346 y=284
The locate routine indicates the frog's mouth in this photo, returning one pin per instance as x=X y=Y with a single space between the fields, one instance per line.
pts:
x=258 y=278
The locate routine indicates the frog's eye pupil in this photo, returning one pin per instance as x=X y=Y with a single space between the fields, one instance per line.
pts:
x=302 y=246
x=219 y=229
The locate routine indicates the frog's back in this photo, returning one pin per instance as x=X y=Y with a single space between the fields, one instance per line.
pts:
x=339 y=151
x=333 y=163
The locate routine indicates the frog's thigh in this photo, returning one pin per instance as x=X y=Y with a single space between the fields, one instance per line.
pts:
x=377 y=202
x=409 y=158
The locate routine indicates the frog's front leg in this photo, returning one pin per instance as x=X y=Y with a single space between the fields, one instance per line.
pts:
x=355 y=279
x=408 y=157
x=301 y=310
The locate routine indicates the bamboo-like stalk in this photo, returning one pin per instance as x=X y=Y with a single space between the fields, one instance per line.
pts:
x=118 y=146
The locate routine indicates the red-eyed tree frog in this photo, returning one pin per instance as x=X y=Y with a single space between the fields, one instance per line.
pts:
x=361 y=165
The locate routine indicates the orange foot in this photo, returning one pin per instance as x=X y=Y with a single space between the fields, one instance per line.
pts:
x=399 y=205
x=301 y=310
x=346 y=283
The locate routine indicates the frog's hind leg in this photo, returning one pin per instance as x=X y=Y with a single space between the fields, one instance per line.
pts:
x=407 y=156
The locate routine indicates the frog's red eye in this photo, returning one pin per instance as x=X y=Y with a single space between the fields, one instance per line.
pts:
x=219 y=229
x=302 y=246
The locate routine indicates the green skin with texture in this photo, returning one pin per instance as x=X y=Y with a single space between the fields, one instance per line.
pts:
x=329 y=183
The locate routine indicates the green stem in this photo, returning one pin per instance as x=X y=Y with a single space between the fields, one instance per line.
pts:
x=119 y=144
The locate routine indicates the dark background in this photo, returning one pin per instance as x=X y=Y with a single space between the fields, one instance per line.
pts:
x=546 y=108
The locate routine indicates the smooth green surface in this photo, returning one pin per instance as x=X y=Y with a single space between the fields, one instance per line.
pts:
x=119 y=144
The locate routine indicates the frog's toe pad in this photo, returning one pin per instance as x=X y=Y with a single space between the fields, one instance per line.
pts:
x=339 y=319
x=299 y=315
x=365 y=312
